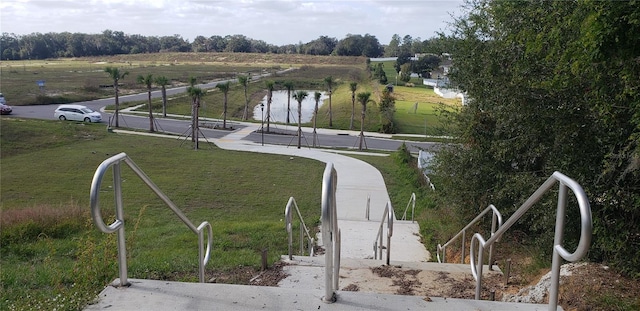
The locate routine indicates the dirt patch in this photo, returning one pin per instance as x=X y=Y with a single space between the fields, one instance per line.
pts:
x=271 y=276
x=351 y=288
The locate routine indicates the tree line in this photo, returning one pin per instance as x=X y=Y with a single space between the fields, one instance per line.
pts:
x=551 y=86
x=66 y=44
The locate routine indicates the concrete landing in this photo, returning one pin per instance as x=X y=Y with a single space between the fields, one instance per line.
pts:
x=373 y=276
x=358 y=237
x=163 y=295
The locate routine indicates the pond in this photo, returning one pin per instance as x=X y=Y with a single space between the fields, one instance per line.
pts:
x=279 y=107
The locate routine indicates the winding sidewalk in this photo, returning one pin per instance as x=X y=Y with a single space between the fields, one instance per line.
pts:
x=357 y=180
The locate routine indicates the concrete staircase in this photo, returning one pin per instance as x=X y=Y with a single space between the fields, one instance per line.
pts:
x=365 y=284
x=409 y=282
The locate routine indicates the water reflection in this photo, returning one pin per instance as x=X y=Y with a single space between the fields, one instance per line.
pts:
x=279 y=107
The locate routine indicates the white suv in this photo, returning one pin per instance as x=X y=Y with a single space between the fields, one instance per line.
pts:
x=77 y=113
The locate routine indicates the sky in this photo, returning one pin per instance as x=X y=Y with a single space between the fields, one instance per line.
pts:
x=276 y=22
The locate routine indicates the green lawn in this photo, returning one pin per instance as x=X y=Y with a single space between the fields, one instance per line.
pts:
x=50 y=247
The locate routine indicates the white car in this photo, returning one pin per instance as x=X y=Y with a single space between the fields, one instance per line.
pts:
x=2 y=100
x=77 y=113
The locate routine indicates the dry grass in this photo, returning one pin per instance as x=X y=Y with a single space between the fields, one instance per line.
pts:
x=43 y=215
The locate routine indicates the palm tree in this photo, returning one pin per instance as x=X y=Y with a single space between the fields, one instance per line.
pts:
x=329 y=81
x=244 y=81
x=363 y=99
x=148 y=82
x=353 y=86
x=300 y=96
x=224 y=87
x=196 y=93
x=289 y=86
x=269 y=84
x=116 y=75
x=163 y=81
x=316 y=96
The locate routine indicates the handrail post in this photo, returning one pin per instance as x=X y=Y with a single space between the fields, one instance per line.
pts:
x=122 y=249
x=464 y=243
x=557 y=240
x=301 y=240
x=330 y=233
x=389 y=232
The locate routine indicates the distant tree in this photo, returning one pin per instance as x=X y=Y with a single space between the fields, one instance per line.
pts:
x=425 y=64
x=244 y=81
x=387 y=108
x=329 y=82
x=353 y=86
x=238 y=44
x=392 y=49
x=116 y=75
x=289 y=86
x=363 y=99
x=403 y=58
x=300 y=96
x=218 y=43
x=224 y=87
x=405 y=72
x=321 y=46
x=163 y=81
x=148 y=82
x=270 y=86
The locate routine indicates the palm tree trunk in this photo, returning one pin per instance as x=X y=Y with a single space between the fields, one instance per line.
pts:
x=315 y=118
x=197 y=125
x=288 y=106
x=299 y=123
x=116 y=114
x=268 y=112
x=164 y=101
x=362 y=126
x=353 y=108
x=150 y=111
x=245 y=116
x=224 y=112
x=193 y=120
x=330 y=112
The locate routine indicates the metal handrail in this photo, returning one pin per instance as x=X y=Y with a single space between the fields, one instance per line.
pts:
x=559 y=252
x=330 y=233
x=412 y=203
x=118 y=224
x=496 y=222
x=377 y=244
x=368 y=208
x=303 y=229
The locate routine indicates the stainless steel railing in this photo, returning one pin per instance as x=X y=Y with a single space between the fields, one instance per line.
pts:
x=559 y=252
x=368 y=207
x=412 y=203
x=118 y=224
x=389 y=215
x=330 y=233
x=496 y=222
x=288 y=210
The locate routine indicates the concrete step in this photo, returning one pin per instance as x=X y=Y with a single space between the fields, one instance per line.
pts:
x=373 y=276
x=358 y=237
x=163 y=295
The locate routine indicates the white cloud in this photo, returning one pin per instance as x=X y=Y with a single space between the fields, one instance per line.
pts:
x=275 y=22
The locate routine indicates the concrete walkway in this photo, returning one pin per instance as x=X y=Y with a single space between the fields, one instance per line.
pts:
x=357 y=180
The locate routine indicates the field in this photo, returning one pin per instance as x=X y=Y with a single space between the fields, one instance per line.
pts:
x=50 y=247
x=70 y=80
